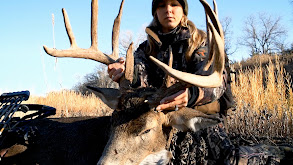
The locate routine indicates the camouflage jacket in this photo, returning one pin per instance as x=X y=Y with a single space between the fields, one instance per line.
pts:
x=148 y=74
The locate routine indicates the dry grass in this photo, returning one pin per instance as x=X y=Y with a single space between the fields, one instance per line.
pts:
x=264 y=101
x=70 y=104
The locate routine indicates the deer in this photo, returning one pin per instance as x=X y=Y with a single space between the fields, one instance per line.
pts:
x=136 y=133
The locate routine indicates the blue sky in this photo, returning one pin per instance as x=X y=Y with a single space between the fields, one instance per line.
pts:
x=27 y=25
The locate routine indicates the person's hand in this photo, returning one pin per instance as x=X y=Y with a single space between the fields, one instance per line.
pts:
x=179 y=99
x=116 y=70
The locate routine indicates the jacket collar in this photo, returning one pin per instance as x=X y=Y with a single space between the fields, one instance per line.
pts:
x=176 y=35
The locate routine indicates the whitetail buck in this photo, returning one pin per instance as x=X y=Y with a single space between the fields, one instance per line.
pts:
x=136 y=132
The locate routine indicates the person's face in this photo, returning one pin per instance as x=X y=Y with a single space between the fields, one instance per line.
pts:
x=170 y=13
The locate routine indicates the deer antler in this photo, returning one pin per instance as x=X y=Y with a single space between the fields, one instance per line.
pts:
x=216 y=55
x=93 y=52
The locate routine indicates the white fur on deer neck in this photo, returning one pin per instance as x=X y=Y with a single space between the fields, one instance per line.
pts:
x=161 y=157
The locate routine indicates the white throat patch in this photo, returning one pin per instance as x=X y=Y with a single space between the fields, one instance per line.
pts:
x=159 y=158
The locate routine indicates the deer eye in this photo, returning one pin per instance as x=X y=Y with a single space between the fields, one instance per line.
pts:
x=145 y=132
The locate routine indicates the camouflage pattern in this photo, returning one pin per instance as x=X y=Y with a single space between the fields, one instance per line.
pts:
x=212 y=146
x=259 y=154
x=263 y=154
x=207 y=146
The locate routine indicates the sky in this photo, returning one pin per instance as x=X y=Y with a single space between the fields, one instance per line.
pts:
x=27 y=25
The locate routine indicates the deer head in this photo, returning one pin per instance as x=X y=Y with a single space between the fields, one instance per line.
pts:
x=139 y=134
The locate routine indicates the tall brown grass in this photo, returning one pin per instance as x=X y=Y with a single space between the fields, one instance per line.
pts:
x=76 y=104
x=264 y=101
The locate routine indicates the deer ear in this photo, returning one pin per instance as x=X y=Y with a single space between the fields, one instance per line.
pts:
x=110 y=96
x=190 y=119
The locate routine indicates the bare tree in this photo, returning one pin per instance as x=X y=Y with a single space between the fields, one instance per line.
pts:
x=226 y=23
x=127 y=37
x=98 y=78
x=263 y=34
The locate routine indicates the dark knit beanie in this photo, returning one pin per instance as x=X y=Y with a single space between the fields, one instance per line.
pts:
x=182 y=2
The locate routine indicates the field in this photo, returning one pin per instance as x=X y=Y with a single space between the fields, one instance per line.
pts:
x=69 y=103
x=262 y=89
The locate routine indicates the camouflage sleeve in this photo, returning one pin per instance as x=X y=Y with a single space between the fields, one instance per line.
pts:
x=213 y=94
x=210 y=94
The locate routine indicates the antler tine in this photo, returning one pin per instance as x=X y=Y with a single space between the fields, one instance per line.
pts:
x=209 y=43
x=69 y=30
x=93 y=52
x=210 y=58
x=218 y=52
x=216 y=55
x=215 y=7
x=213 y=17
x=94 y=25
x=116 y=31
x=126 y=80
